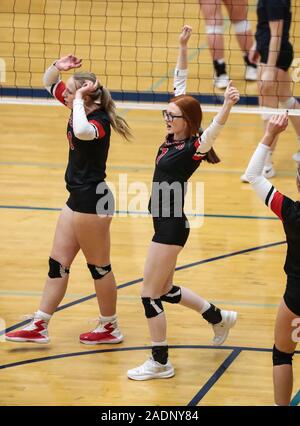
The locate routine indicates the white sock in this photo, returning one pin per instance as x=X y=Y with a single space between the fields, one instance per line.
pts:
x=163 y=343
x=42 y=315
x=221 y=61
x=205 y=307
x=108 y=319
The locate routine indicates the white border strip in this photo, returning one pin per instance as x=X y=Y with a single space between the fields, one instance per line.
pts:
x=149 y=106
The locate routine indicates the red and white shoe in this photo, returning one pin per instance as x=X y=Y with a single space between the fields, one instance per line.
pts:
x=104 y=333
x=36 y=332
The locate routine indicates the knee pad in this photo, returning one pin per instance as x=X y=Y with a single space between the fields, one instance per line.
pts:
x=99 y=272
x=153 y=307
x=281 y=358
x=242 y=27
x=56 y=270
x=174 y=295
x=214 y=29
x=289 y=103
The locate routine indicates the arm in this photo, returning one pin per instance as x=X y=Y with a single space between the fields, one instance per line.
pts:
x=51 y=78
x=264 y=189
x=83 y=129
x=181 y=72
x=53 y=83
x=276 y=28
x=208 y=137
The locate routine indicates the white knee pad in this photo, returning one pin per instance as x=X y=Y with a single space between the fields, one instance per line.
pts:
x=214 y=29
x=242 y=27
x=289 y=103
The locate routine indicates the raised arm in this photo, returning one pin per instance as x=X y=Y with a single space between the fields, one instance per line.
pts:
x=51 y=78
x=264 y=189
x=180 y=73
x=208 y=137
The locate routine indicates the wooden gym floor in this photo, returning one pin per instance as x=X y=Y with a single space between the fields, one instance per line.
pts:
x=235 y=259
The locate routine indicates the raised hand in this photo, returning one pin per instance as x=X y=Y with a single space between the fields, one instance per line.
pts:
x=67 y=63
x=88 y=88
x=231 y=95
x=277 y=124
x=185 y=35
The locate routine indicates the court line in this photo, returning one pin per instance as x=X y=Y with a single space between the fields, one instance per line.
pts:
x=234 y=349
x=215 y=377
x=134 y=213
x=138 y=280
x=14 y=293
x=296 y=399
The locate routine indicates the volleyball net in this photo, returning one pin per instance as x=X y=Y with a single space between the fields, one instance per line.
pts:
x=130 y=45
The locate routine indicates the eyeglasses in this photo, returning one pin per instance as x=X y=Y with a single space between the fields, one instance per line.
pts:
x=170 y=117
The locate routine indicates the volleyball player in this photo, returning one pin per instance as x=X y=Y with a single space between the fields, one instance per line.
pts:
x=238 y=11
x=288 y=316
x=178 y=158
x=276 y=56
x=84 y=221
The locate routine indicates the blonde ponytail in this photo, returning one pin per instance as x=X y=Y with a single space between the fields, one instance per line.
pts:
x=103 y=97
x=118 y=123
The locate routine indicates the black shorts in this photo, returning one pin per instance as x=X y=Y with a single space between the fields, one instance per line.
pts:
x=94 y=199
x=171 y=230
x=285 y=58
x=292 y=295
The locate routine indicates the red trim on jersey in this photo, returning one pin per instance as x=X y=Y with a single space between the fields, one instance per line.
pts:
x=276 y=204
x=101 y=131
x=197 y=143
x=198 y=156
x=59 y=91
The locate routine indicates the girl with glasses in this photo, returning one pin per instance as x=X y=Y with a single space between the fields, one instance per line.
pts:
x=178 y=158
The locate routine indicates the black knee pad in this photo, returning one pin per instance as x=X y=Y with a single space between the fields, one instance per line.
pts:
x=153 y=307
x=99 y=272
x=174 y=295
x=281 y=358
x=56 y=270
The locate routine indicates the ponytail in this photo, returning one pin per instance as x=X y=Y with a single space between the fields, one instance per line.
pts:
x=118 y=123
x=102 y=97
x=212 y=157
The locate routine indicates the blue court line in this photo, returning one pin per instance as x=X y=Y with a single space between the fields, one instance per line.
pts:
x=296 y=399
x=138 y=280
x=223 y=216
x=215 y=377
x=235 y=350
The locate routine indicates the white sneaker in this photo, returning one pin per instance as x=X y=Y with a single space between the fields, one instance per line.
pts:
x=244 y=178
x=221 y=82
x=151 y=370
x=296 y=156
x=221 y=329
x=269 y=171
x=251 y=73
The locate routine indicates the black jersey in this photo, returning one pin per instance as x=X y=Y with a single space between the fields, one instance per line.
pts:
x=176 y=161
x=87 y=159
x=272 y=10
x=289 y=212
